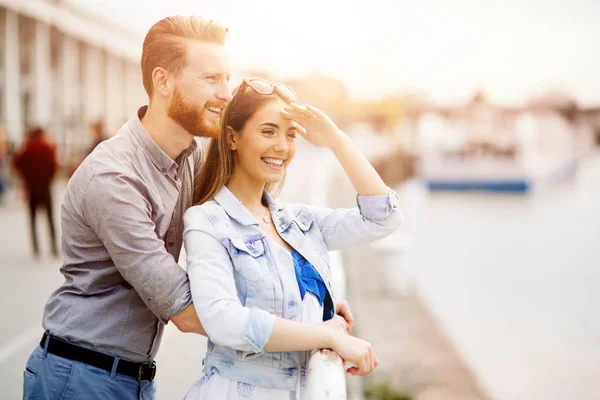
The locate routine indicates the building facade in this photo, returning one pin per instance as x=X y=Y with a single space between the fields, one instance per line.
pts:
x=63 y=70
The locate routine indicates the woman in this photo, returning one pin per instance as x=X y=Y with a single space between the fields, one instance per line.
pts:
x=258 y=267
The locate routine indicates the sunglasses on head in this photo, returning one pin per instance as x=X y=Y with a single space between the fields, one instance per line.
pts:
x=262 y=86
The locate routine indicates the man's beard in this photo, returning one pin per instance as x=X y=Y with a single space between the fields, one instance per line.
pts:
x=191 y=117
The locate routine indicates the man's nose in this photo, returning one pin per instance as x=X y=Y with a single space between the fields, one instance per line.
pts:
x=224 y=93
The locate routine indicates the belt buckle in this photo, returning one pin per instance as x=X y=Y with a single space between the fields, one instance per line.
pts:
x=151 y=365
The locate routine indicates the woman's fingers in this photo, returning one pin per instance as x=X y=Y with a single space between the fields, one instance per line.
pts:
x=315 y=111
x=367 y=364
x=295 y=115
x=302 y=132
x=303 y=110
x=286 y=115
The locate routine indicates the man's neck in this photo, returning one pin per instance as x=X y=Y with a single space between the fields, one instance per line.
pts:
x=169 y=136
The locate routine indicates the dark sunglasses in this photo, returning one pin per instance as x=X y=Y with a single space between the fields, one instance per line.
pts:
x=262 y=86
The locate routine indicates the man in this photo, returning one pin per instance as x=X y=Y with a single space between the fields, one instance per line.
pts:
x=36 y=164
x=122 y=227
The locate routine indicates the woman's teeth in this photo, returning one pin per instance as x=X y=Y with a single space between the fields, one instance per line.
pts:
x=273 y=162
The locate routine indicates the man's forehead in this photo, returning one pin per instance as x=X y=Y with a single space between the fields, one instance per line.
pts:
x=207 y=57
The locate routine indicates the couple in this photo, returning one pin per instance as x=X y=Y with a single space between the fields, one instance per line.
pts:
x=258 y=268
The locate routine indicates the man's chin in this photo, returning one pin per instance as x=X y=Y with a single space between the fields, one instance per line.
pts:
x=208 y=131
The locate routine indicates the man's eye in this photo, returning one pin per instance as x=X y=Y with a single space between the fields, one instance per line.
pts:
x=211 y=78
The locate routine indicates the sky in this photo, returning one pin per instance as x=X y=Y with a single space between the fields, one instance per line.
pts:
x=512 y=50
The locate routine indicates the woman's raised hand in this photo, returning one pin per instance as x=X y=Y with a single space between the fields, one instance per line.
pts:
x=319 y=129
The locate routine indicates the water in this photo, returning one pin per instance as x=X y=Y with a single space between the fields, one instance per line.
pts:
x=514 y=281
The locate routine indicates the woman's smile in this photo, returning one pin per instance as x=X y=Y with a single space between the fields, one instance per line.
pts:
x=273 y=163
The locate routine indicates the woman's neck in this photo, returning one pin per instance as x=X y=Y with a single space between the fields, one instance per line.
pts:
x=249 y=192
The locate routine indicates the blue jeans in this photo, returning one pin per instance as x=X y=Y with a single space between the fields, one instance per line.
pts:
x=49 y=377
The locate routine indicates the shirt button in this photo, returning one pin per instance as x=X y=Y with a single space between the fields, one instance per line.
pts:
x=176 y=177
x=164 y=170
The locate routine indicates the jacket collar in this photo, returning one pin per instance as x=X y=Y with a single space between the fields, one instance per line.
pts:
x=236 y=210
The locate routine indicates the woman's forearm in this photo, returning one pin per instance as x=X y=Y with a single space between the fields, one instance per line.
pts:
x=297 y=336
x=359 y=170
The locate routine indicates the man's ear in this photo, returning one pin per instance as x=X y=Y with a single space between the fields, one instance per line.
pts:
x=160 y=80
x=232 y=137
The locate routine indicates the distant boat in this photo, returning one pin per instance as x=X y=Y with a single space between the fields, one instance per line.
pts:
x=528 y=151
x=477 y=165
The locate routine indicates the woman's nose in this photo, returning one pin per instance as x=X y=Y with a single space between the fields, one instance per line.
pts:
x=282 y=144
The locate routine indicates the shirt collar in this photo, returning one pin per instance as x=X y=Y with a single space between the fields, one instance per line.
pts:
x=159 y=158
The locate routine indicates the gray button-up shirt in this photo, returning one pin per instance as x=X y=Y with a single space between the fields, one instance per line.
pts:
x=121 y=238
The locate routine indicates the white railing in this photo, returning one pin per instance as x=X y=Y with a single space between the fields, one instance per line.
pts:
x=326 y=379
x=326 y=375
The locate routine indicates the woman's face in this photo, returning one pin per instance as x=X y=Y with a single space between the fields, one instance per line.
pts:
x=266 y=145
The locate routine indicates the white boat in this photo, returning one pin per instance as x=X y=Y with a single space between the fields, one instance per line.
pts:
x=512 y=155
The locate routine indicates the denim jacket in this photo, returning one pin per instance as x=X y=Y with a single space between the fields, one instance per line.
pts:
x=239 y=286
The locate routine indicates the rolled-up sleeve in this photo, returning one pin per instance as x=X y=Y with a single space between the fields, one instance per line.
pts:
x=381 y=208
x=226 y=321
x=373 y=218
x=115 y=208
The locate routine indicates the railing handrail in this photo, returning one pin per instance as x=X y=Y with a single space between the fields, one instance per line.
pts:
x=326 y=379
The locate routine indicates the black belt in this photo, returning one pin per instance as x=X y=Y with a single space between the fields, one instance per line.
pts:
x=140 y=371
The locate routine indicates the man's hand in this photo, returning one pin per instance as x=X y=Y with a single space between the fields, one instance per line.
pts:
x=187 y=321
x=342 y=308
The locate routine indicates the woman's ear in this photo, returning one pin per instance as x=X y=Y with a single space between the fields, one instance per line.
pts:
x=231 y=138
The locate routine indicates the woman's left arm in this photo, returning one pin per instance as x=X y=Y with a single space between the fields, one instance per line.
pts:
x=373 y=218
x=377 y=213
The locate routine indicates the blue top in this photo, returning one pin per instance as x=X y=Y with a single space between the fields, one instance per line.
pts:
x=308 y=278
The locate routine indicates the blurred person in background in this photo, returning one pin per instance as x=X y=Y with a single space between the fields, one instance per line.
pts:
x=258 y=267
x=98 y=135
x=3 y=161
x=35 y=163
x=122 y=227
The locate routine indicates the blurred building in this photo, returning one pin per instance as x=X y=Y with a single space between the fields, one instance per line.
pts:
x=63 y=69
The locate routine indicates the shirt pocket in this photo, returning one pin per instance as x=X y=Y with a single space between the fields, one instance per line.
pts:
x=306 y=222
x=248 y=258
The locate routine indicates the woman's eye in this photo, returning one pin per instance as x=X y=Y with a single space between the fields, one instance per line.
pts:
x=292 y=135
x=269 y=132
